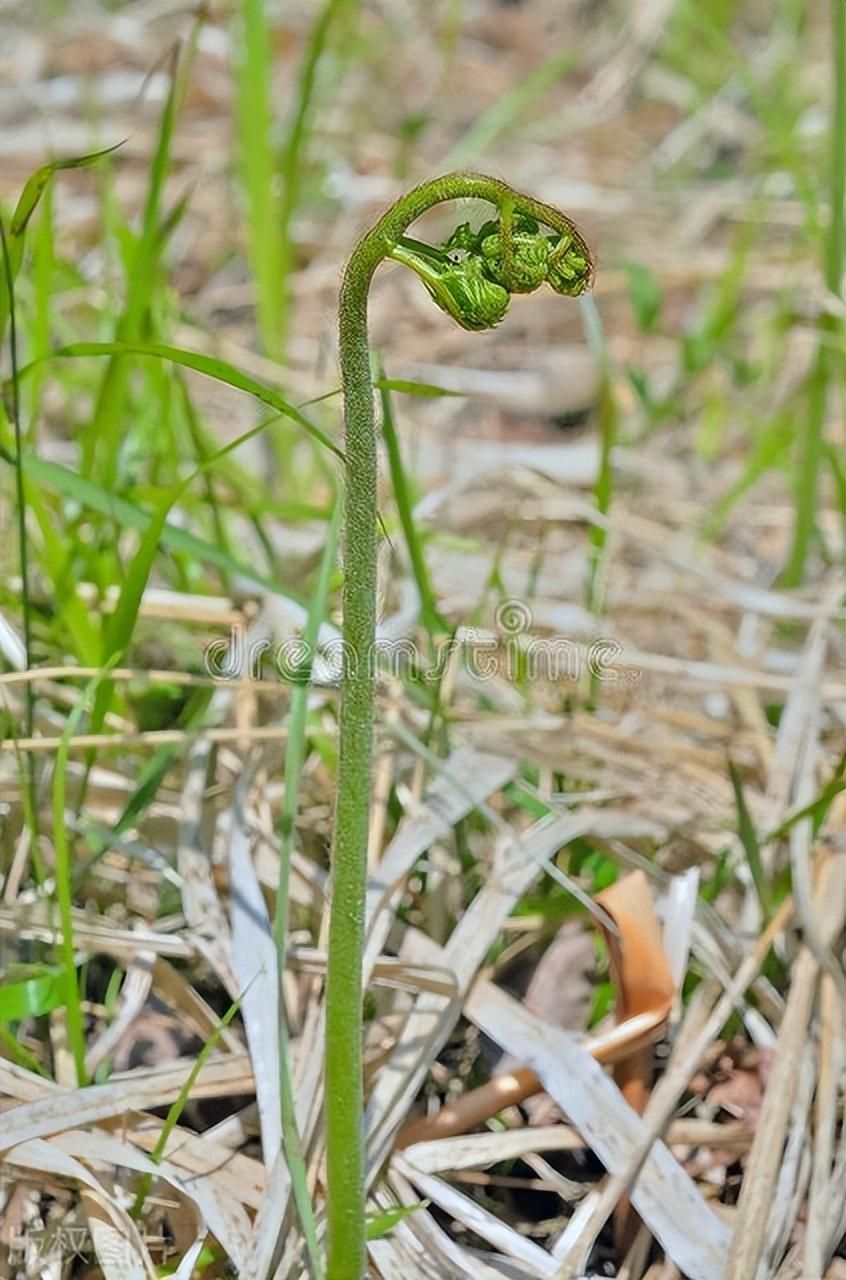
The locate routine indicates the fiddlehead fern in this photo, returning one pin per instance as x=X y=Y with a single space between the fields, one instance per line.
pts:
x=461 y=287
x=473 y=273
x=522 y=265
x=471 y=277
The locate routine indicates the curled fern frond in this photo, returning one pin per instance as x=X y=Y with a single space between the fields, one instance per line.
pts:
x=472 y=275
x=463 y=289
x=525 y=268
x=569 y=269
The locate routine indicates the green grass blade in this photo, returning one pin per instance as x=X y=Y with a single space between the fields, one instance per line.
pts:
x=271 y=208
x=772 y=446
x=202 y=455
x=29 y=799
x=507 y=109
x=294 y=759
x=23 y=546
x=58 y=479
x=828 y=366
x=61 y=847
x=153 y=773
x=106 y=433
x=150 y=778
x=811 y=446
x=30 y=991
x=835 y=249
x=34 y=189
x=296 y=141
x=118 y=632
x=608 y=423
x=54 y=555
x=211 y=366
x=382 y=1224
x=17 y=1053
x=254 y=127
x=146 y=251
x=428 y=601
x=406 y=387
x=8 y=293
x=749 y=840
x=42 y=273
x=179 y=1103
x=817 y=810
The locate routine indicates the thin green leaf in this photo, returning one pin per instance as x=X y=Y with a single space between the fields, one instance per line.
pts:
x=8 y=293
x=118 y=632
x=178 y=1105
x=202 y=454
x=52 y=476
x=749 y=840
x=34 y=189
x=106 y=434
x=254 y=122
x=152 y=773
x=604 y=484
x=645 y=293
x=428 y=601
x=211 y=366
x=18 y=1053
x=61 y=848
x=409 y=388
x=296 y=140
x=508 y=107
x=818 y=808
x=294 y=760
x=30 y=990
x=382 y=1224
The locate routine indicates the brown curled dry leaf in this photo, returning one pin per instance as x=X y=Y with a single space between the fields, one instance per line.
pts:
x=644 y=995
x=645 y=989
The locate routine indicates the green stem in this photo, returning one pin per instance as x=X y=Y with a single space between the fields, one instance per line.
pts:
x=295 y=145
x=179 y=1104
x=20 y=490
x=604 y=486
x=294 y=759
x=344 y=995
x=836 y=241
x=428 y=604
x=31 y=792
x=828 y=360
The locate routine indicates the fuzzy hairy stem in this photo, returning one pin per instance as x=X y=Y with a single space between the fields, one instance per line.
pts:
x=344 y=995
